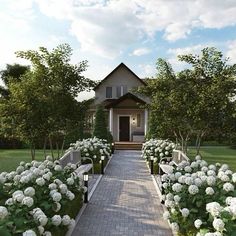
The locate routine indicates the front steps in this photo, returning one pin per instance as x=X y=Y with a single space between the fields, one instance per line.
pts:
x=128 y=145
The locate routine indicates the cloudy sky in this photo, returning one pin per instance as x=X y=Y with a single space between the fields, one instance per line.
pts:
x=107 y=32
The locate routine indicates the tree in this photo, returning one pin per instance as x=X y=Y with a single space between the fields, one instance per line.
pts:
x=195 y=101
x=43 y=104
x=12 y=73
x=100 y=126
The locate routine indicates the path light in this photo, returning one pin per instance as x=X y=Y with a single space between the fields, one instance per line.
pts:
x=151 y=162
x=86 y=177
x=112 y=148
x=102 y=164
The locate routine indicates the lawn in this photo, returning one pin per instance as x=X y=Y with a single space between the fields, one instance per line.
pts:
x=213 y=154
x=11 y=158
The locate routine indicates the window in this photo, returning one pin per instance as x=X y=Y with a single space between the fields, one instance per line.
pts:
x=108 y=92
x=121 y=90
x=138 y=120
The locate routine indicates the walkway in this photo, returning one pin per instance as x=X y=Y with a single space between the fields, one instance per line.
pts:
x=125 y=202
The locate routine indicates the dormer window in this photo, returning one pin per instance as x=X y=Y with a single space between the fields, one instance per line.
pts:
x=121 y=90
x=108 y=92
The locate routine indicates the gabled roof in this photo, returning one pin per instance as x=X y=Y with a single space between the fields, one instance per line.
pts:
x=119 y=66
x=126 y=96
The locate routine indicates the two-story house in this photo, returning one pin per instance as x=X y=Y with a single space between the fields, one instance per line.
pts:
x=127 y=118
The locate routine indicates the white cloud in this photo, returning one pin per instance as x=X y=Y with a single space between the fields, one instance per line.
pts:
x=231 y=51
x=141 y=51
x=106 y=28
x=147 y=70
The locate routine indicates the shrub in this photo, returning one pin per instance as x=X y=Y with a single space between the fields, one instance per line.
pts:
x=201 y=198
x=93 y=148
x=35 y=199
x=158 y=149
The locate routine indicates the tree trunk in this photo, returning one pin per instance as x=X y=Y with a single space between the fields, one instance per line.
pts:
x=44 y=147
x=62 y=146
x=51 y=147
x=32 y=151
x=200 y=136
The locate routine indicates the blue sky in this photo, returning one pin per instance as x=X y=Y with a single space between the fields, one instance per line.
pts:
x=105 y=33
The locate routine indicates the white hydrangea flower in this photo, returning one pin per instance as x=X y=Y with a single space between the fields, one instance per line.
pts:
x=29 y=232
x=70 y=195
x=58 y=168
x=52 y=186
x=41 y=229
x=56 y=197
x=70 y=181
x=211 y=180
x=185 y=212
x=198 y=157
x=193 y=189
x=177 y=187
x=56 y=220
x=228 y=187
x=165 y=185
x=42 y=219
x=166 y=215
x=198 y=182
x=3 y=212
x=211 y=173
x=28 y=201
x=197 y=223
x=177 y=198
x=209 y=191
x=175 y=226
x=224 y=167
x=189 y=181
x=47 y=233
x=214 y=208
x=63 y=188
x=234 y=177
x=218 y=224
x=40 y=181
x=30 y=191
x=188 y=169
x=66 y=220
x=9 y=202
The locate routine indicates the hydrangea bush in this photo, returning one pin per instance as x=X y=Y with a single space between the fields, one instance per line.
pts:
x=157 y=148
x=93 y=148
x=200 y=198
x=37 y=198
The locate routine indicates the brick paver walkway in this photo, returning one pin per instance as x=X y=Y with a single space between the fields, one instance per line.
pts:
x=125 y=202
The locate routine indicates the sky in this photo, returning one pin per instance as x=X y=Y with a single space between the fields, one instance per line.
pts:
x=108 y=32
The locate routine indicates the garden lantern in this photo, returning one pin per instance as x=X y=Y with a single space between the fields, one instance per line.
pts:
x=85 y=177
x=151 y=163
x=102 y=164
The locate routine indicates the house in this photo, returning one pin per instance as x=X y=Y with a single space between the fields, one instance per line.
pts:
x=126 y=116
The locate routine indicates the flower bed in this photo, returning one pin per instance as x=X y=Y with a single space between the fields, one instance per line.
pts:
x=157 y=148
x=93 y=148
x=201 y=199
x=39 y=198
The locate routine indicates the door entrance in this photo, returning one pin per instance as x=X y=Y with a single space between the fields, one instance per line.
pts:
x=124 y=128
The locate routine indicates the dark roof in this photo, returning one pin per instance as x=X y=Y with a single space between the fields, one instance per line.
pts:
x=126 y=96
x=121 y=64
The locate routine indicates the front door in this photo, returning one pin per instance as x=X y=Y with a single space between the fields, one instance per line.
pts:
x=124 y=128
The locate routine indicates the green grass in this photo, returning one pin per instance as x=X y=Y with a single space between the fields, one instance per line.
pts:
x=213 y=154
x=11 y=158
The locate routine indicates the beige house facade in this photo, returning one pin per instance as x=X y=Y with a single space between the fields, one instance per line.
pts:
x=127 y=117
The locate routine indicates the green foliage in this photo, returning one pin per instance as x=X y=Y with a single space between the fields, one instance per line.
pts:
x=195 y=101
x=43 y=107
x=100 y=126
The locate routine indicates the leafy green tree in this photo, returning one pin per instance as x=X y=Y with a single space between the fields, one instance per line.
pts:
x=12 y=73
x=195 y=101
x=100 y=126
x=44 y=104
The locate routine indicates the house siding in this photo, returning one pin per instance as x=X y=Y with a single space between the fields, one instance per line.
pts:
x=121 y=77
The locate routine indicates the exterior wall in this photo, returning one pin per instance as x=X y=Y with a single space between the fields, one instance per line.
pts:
x=120 y=77
x=127 y=112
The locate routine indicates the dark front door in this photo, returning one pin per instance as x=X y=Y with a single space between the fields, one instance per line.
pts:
x=124 y=128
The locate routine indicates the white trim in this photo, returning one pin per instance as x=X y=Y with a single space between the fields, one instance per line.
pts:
x=111 y=120
x=118 y=126
x=145 y=121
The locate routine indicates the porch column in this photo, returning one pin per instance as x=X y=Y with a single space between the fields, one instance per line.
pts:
x=111 y=120
x=145 y=121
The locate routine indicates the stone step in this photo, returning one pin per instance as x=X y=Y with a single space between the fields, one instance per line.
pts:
x=128 y=146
